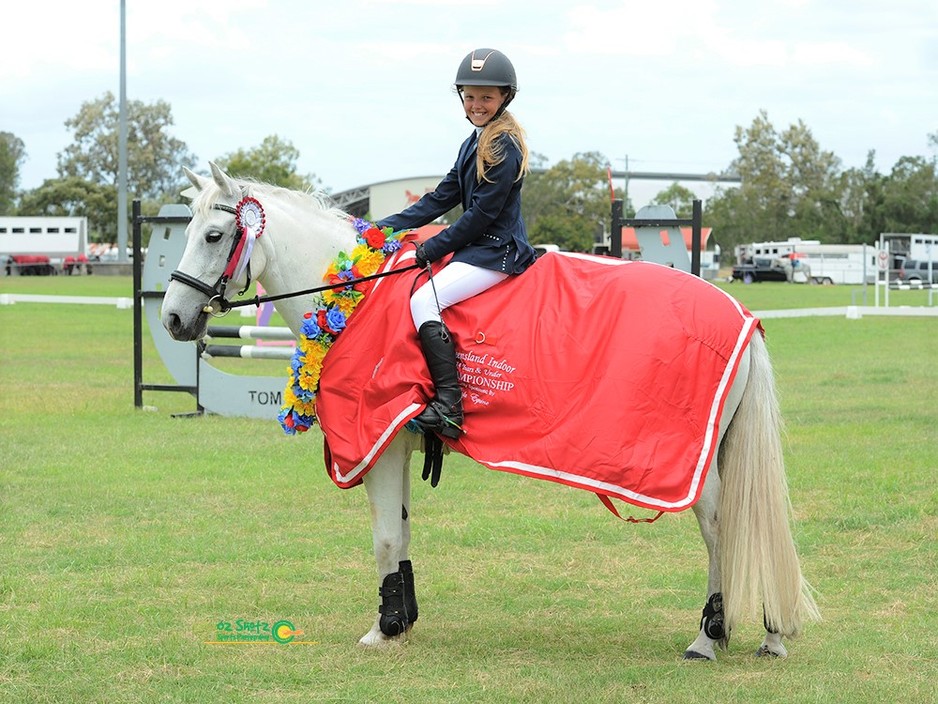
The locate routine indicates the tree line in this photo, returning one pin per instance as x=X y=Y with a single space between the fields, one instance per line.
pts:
x=790 y=186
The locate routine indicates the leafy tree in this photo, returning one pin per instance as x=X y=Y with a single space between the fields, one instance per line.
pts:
x=273 y=162
x=814 y=178
x=76 y=196
x=12 y=153
x=154 y=158
x=861 y=201
x=904 y=201
x=790 y=187
x=910 y=196
x=568 y=203
x=680 y=199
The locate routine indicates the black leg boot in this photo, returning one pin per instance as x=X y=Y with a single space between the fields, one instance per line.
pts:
x=410 y=597
x=394 y=618
x=443 y=414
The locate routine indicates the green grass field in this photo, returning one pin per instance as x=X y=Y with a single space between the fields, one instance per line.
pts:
x=127 y=537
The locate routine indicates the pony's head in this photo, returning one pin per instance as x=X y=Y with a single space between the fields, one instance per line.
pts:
x=217 y=262
x=242 y=229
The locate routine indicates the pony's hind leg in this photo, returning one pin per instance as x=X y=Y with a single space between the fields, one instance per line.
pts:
x=388 y=487
x=711 y=632
x=772 y=643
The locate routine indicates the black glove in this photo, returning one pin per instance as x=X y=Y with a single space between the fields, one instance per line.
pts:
x=422 y=260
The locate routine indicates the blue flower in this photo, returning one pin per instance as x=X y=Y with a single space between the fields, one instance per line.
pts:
x=310 y=328
x=297 y=362
x=282 y=417
x=336 y=319
x=391 y=246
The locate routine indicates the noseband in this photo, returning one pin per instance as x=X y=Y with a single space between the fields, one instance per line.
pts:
x=248 y=215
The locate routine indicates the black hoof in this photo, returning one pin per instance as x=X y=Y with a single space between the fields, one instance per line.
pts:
x=694 y=655
x=765 y=652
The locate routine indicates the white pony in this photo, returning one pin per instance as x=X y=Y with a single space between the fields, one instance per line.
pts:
x=743 y=510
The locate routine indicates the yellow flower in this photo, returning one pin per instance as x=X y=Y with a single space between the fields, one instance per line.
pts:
x=347 y=304
x=360 y=251
x=289 y=398
x=313 y=353
x=370 y=262
x=309 y=378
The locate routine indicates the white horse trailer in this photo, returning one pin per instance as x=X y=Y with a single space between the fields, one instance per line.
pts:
x=55 y=237
x=923 y=247
x=836 y=263
x=770 y=250
x=811 y=261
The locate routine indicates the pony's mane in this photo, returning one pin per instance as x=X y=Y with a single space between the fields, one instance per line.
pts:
x=317 y=200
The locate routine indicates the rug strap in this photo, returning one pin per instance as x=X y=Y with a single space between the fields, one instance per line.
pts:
x=607 y=502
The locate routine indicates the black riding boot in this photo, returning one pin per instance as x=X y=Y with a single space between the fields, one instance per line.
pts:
x=443 y=414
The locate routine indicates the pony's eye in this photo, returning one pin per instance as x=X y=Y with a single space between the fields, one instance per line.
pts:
x=213 y=237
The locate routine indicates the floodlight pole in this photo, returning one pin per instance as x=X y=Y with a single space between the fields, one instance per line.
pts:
x=122 y=144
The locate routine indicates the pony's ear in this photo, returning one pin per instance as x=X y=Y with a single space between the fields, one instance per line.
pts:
x=224 y=181
x=200 y=182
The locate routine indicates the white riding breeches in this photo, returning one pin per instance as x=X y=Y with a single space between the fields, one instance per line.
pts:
x=455 y=282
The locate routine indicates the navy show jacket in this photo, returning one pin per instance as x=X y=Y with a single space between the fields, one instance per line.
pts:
x=490 y=233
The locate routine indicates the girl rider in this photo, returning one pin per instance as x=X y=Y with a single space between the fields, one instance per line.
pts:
x=489 y=242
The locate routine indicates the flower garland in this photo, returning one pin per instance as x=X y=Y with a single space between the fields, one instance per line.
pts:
x=331 y=310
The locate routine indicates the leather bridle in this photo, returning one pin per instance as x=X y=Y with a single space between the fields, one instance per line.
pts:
x=217 y=304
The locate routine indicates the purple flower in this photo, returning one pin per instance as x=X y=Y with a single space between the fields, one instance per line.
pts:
x=361 y=225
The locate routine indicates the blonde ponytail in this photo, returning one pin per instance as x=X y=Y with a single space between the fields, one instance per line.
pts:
x=491 y=152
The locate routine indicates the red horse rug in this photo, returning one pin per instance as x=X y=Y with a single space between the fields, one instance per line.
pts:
x=593 y=372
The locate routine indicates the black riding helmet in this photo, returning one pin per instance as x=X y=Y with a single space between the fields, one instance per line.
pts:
x=488 y=67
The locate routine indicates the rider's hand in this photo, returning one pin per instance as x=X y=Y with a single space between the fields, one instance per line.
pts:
x=422 y=261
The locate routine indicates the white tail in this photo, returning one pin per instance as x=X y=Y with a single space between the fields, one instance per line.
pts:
x=758 y=560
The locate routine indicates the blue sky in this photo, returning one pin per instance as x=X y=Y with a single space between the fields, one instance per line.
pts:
x=363 y=88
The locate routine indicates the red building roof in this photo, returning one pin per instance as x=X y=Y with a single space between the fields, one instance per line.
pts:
x=629 y=240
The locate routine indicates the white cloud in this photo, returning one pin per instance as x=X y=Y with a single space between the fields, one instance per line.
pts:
x=362 y=87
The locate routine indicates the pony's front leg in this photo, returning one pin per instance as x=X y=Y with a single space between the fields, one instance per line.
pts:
x=713 y=631
x=388 y=487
